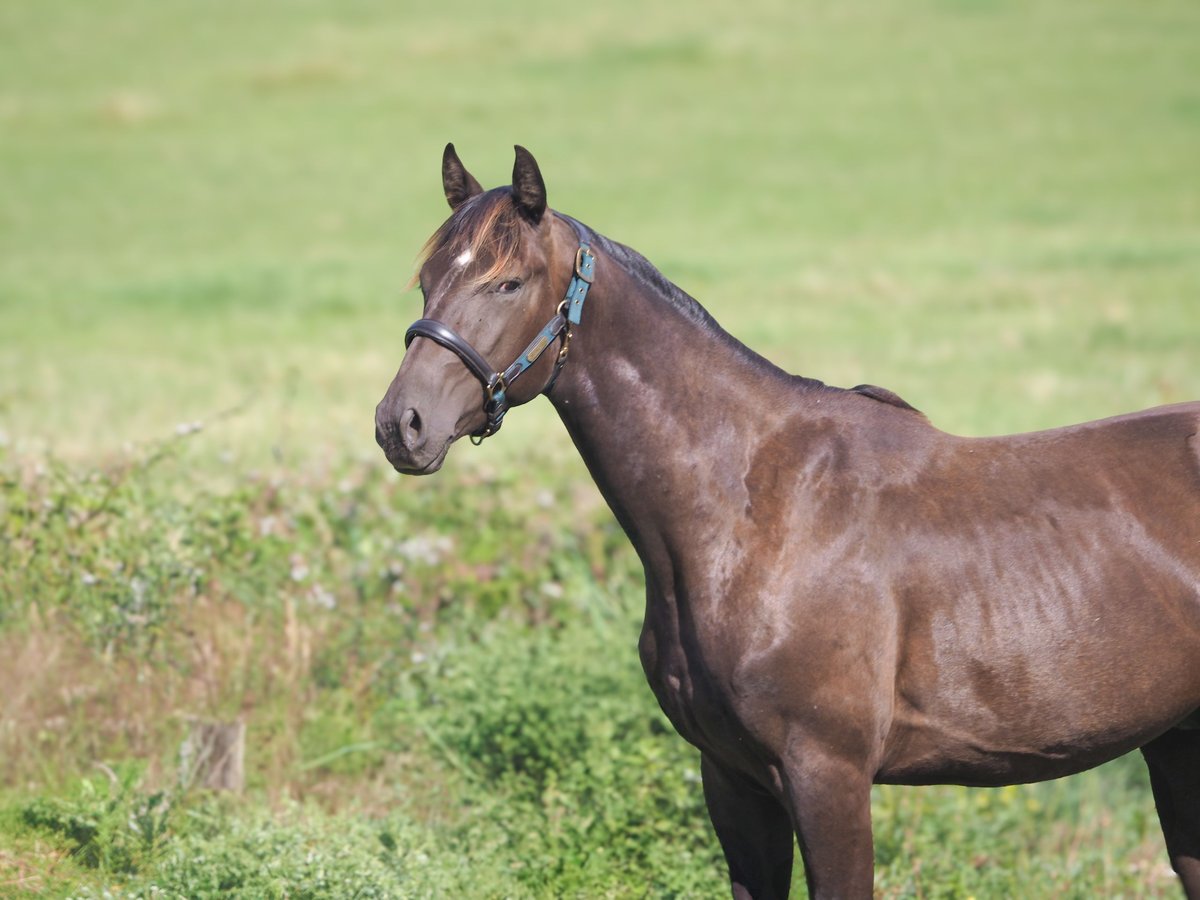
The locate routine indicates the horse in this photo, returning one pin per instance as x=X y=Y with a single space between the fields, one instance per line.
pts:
x=837 y=592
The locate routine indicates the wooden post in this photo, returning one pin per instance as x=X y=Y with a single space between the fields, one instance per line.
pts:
x=213 y=756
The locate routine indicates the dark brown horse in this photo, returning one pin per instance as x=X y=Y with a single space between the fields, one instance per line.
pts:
x=837 y=593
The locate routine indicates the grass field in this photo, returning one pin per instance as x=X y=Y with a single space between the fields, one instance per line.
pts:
x=208 y=217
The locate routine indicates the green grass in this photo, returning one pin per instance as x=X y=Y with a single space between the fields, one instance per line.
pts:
x=209 y=213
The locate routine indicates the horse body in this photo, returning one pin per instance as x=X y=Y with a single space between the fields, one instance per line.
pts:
x=838 y=593
x=1056 y=621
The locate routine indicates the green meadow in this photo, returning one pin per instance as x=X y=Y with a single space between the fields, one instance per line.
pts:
x=209 y=214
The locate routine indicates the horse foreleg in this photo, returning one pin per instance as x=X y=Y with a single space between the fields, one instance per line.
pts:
x=754 y=830
x=1174 y=762
x=831 y=807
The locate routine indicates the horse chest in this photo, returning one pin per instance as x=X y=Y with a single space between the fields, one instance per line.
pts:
x=687 y=689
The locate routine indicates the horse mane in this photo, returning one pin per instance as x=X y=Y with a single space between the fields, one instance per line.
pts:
x=490 y=224
x=647 y=274
x=487 y=225
x=883 y=395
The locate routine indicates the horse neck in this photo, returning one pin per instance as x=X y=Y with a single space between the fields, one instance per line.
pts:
x=665 y=408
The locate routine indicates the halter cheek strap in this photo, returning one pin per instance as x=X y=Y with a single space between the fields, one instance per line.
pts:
x=585 y=272
x=496 y=384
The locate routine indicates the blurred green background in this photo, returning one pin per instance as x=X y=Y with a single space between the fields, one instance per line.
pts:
x=991 y=207
x=208 y=216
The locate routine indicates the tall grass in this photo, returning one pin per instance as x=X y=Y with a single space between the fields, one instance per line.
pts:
x=458 y=710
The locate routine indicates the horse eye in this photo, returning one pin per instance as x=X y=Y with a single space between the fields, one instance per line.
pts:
x=510 y=286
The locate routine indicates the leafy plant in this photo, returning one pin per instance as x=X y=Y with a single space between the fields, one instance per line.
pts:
x=106 y=823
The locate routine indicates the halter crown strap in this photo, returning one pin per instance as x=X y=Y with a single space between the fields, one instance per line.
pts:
x=496 y=384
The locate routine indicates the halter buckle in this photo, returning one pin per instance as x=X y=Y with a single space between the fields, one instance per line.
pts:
x=585 y=263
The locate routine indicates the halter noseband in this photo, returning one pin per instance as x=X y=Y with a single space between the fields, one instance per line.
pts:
x=496 y=384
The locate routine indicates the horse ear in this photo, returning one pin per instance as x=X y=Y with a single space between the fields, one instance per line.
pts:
x=529 y=191
x=459 y=184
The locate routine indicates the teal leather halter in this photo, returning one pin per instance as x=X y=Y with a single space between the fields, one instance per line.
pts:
x=496 y=383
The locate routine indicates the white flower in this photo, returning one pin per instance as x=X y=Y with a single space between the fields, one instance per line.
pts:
x=299 y=568
x=425 y=549
x=138 y=587
x=322 y=597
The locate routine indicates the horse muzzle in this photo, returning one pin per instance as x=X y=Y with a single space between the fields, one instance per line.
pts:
x=409 y=443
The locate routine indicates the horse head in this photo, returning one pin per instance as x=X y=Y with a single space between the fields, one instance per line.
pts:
x=489 y=284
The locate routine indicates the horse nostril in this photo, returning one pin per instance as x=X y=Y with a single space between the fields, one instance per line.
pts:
x=410 y=428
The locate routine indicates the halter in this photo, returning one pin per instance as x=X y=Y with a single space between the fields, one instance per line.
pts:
x=496 y=383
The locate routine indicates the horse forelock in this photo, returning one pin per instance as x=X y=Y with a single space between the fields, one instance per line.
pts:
x=486 y=227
